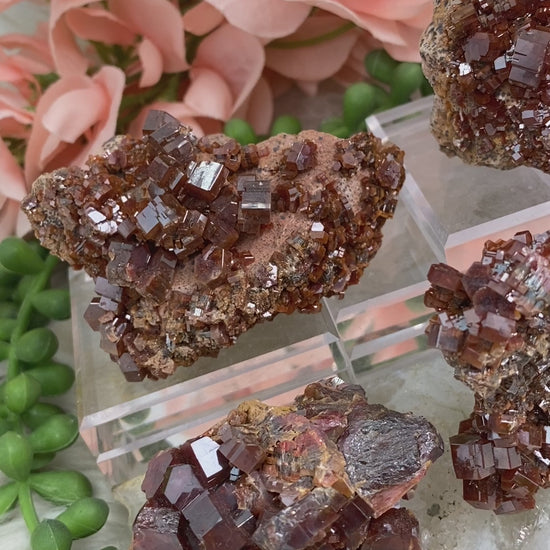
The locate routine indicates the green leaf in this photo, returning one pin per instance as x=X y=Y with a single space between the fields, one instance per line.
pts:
x=407 y=78
x=85 y=516
x=285 y=124
x=39 y=413
x=54 y=378
x=15 y=456
x=240 y=130
x=61 y=487
x=21 y=393
x=7 y=326
x=36 y=345
x=51 y=534
x=16 y=255
x=23 y=288
x=8 y=278
x=54 y=303
x=8 y=310
x=336 y=127
x=380 y=65
x=8 y=496
x=40 y=460
x=360 y=100
x=4 y=350
x=5 y=426
x=56 y=433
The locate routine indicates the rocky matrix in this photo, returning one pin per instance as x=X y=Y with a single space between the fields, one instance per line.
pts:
x=323 y=473
x=191 y=242
x=493 y=327
x=488 y=62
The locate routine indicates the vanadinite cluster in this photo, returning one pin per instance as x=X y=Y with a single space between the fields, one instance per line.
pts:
x=193 y=241
x=323 y=473
x=494 y=329
x=489 y=64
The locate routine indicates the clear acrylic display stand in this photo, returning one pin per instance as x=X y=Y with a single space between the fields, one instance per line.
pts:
x=456 y=205
x=124 y=423
x=446 y=211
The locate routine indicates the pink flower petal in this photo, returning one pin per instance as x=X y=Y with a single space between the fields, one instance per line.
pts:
x=236 y=56
x=264 y=18
x=46 y=151
x=318 y=61
x=11 y=73
x=151 y=62
x=394 y=10
x=66 y=54
x=112 y=81
x=385 y=20
x=209 y=94
x=161 y=22
x=72 y=113
x=202 y=19
x=422 y=19
x=99 y=25
x=13 y=183
x=22 y=223
x=9 y=211
x=33 y=50
x=258 y=108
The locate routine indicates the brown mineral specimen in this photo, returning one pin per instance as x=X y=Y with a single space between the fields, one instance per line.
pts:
x=494 y=329
x=191 y=242
x=323 y=473
x=488 y=63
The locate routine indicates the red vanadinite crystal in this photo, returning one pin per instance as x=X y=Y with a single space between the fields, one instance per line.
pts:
x=488 y=63
x=248 y=232
x=492 y=326
x=274 y=478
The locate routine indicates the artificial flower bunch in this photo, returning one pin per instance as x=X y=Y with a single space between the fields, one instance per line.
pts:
x=91 y=69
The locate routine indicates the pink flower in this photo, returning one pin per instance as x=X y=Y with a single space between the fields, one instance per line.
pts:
x=155 y=25
x=306 y=59
x=12 y=190
x=397 y=24
x=225 y=77
x=21 y=58
x=202 y=19
x=73 y=118
x=267 y=19
x=15 y=116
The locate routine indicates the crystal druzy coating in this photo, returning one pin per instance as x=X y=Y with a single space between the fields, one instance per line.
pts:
x=193 y=241
x=323 y=473
x=488 y=63
x=493 y=327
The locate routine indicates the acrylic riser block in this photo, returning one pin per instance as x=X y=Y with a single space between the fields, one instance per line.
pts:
x=378 y=323
x=384 y=316
x=124 y=423
x=458 y=206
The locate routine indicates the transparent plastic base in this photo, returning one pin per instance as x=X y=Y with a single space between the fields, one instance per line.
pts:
x=447 y=210
x=458 y=205
x=124 y=424
x=384 y=315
